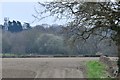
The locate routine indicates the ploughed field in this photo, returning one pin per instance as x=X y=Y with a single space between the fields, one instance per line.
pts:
x=66 y=67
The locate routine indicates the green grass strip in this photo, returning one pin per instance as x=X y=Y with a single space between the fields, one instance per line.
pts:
x=95 y=69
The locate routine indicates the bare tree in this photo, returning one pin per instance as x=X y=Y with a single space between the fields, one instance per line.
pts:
x=95 y=18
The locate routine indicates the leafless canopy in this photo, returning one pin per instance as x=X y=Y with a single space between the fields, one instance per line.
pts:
x=98 y=18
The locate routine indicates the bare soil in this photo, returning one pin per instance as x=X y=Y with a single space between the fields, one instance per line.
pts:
x=44 y=67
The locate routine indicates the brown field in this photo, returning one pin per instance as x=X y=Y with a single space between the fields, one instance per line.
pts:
x=67 y=67
x=44 y=67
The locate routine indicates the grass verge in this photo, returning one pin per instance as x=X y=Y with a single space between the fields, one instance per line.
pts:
x=9 y=55
x=95 y=69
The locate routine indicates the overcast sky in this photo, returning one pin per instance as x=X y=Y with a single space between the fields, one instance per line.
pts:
x=23 y=11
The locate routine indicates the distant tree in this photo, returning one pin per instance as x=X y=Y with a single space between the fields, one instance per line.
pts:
x=19 y=26
x=9 y=25
x=50 y=44
x=2 y=27
x=40 y=28
x=26 y=25
x=6 y=42
x=14 y=26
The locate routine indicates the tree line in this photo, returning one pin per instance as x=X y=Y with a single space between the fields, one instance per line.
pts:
x=15 y=26
x=52 y=40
